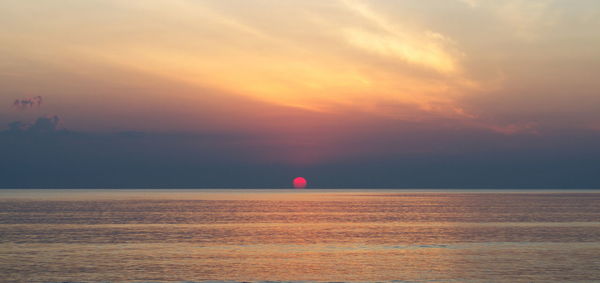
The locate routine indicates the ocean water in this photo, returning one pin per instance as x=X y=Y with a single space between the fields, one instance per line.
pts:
x=299 y=235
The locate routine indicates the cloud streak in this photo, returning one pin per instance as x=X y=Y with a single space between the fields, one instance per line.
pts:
x=26 y=103
x=416 y=158
x=47 y=124
x=424 y=48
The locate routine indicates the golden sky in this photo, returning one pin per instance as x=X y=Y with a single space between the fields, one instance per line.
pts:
x=324 y=69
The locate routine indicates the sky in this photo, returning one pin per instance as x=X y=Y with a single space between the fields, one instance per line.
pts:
x=347 y=93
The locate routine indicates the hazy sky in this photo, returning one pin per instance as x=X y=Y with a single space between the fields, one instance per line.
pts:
x=307 y=86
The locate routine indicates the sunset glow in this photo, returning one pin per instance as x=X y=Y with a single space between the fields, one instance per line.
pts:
x=299 y=183
x=306 y=83
x=299 y=140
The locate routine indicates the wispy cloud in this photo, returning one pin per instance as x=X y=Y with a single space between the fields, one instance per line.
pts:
x=26 y=103
x=486 y=64
x=420 y=47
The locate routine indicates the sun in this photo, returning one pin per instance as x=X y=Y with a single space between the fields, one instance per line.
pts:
x=299 y=183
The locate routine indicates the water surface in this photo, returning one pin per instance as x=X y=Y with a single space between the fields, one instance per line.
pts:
x=299 y=235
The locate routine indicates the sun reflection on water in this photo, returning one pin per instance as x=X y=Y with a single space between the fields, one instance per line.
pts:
x=286 y=235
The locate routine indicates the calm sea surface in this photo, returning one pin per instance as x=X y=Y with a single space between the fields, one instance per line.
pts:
x=299 y=235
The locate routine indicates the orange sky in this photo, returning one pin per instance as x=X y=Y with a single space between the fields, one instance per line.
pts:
x=303 y=74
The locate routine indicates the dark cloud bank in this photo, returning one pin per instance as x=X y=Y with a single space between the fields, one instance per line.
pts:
x=44 y=155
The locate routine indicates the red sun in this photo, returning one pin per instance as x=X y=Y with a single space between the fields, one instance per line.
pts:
x=299 y=183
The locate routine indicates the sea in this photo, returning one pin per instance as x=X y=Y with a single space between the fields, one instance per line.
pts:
x=299 y=235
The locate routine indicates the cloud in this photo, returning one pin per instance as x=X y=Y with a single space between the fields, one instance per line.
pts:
x=423 y=53
x=423 y=48
x=361 y=58
x=18 y=126
x=404 y=156
x=470 y=3
x=26 y=103
x=46 y=124
x=314 y=58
